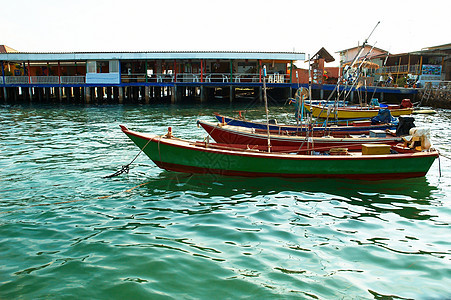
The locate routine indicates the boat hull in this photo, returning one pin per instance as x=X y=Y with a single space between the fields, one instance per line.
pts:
x=352 y=113
x=182 y=156
x=352 y=128
x=238 y=135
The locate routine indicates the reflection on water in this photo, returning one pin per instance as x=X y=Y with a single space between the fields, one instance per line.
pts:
x=67 y=231
x=379 y=195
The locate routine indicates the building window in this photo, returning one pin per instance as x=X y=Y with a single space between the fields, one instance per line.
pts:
x=102 y=66
x=91 y=66
x=114 y=66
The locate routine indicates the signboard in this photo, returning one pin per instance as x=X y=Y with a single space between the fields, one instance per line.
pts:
x=430 y=73
x=431 y=70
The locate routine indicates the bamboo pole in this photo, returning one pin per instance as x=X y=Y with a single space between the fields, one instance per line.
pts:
x=266 y=107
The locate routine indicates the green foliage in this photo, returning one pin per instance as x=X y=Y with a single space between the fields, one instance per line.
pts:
x=401 y=81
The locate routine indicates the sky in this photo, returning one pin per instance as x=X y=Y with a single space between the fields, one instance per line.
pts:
x=231 y=25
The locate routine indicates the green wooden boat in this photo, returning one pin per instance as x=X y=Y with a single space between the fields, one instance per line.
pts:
x=175 y=154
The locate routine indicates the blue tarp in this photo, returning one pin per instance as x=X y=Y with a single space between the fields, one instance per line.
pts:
x=383 y=116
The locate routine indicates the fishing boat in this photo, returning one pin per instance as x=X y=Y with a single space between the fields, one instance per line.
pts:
x=228 y=134
x=354 y=112
x=174 y=154
x=346 y=127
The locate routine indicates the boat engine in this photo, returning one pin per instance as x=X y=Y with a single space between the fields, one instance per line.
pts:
x=404 y=125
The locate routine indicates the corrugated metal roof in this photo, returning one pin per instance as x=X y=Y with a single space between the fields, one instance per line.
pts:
x=49 y=56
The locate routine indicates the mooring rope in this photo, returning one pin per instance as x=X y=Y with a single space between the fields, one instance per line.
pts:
x=126 y=168
x=439 y=167
x=79 y=200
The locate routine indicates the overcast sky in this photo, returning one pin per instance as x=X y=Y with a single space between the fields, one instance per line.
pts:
x=231 y=25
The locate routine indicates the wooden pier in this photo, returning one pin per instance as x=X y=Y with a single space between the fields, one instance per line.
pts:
x=141 y=76
x=153 y=77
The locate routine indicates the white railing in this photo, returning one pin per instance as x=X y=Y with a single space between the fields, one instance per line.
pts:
x=276 y=78
x=413 y=69
x=158 y=77
x=16 y=79
x=44 y=79
x=72 y=79
x=204 y=77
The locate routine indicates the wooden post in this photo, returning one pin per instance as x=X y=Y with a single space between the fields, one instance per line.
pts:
x=146 y=94
x=408 y=66
x=15 y=93
x=260 y=70
x=109 y=92
x=420 y=71
x=174 y=95
x=201 y=73
x=59 y=94
x=29 y=72
x=87 y=95
x=175 y=70
x=121 y=94
x=59 y=73
x=399 y=66
x=231 y=70
x=5 y=93
x=202 y=93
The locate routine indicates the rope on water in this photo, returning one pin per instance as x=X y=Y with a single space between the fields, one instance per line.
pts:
x=126 y=168
x=78 y=200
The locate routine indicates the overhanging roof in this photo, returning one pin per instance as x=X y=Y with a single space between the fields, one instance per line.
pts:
x=82 y=56
x=322 y=53
x=6 y=49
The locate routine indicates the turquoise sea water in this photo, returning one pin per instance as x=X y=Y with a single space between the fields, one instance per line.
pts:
x=68 y=233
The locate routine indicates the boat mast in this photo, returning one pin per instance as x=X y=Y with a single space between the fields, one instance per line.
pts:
x=353 y=62
x=383 y=65
x=266 y=106
x=309 y=83
x=358 y=75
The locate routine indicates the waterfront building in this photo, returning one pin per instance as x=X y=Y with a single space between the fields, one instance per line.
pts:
x=429 y=65
x=143 y=75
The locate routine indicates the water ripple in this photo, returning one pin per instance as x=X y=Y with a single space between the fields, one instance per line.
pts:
x=68 y=232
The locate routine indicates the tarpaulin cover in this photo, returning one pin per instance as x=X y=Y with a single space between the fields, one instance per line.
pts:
x=404 y=125
x=383 y=116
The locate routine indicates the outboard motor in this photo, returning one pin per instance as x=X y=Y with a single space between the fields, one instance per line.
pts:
x=404 y=125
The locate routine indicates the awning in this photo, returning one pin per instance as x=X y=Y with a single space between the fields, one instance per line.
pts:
x=365 y=65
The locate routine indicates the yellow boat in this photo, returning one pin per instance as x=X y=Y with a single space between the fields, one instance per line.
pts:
x=348 y=112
